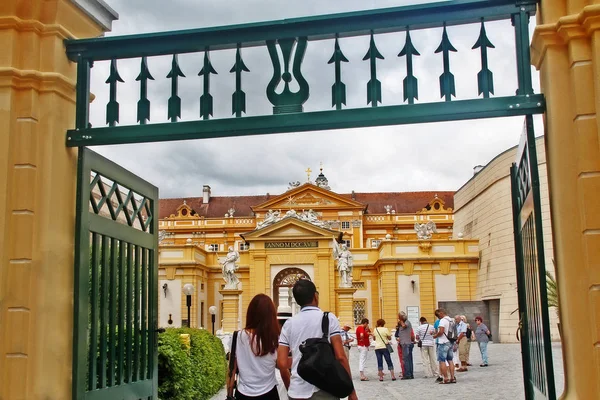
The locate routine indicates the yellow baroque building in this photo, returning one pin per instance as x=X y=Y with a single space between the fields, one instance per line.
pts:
x=393 y=270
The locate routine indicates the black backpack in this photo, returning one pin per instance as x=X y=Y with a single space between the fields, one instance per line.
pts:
x=318 y=365
x=452 y=334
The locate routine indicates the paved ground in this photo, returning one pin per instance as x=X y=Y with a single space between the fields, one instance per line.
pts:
x=502 y=380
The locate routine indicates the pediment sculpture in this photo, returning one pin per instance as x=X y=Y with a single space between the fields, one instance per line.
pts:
x=309 y=216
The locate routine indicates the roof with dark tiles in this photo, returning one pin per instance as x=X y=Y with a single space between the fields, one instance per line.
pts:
x=218 y=206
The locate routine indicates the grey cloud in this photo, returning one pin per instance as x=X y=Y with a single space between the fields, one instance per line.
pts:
x=414 y=157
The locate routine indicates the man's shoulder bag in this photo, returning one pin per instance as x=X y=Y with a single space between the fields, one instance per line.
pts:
x=318 y=365
x=233 y=370
x=420 y=342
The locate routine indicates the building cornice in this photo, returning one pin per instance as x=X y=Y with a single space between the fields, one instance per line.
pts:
x=98 y=11
x=560 y=33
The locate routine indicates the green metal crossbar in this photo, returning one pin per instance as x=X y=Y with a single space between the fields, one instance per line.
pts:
x=290 y=38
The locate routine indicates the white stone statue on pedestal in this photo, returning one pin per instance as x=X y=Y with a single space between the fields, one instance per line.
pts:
x=229 y=268
x=344 y=264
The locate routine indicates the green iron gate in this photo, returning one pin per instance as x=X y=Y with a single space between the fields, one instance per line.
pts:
x=116 y=272
x=285 y=42
x=538 y=371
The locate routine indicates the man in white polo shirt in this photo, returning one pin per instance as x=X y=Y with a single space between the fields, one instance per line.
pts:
x=305 y=325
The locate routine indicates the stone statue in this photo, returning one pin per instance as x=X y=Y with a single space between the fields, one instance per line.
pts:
x=344 y=263
x=311 y=217
x=229 y=268
x=293 y=185
x=270 y=218
x=425 y=231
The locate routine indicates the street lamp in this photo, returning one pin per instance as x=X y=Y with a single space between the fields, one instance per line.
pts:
x=212 y=310
x=188 y=290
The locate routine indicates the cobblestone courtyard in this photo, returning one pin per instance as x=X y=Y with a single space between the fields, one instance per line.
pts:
x=503 y=379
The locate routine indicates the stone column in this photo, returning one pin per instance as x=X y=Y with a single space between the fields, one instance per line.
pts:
x=345 y=305
x=389 y=293
x=231 y=310
x=37 y=192
x=566 y=51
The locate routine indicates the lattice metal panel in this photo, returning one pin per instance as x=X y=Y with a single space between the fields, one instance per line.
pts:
x=359 y=310
x=358 y=285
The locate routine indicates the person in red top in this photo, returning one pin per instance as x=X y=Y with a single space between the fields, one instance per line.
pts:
x=363 y=342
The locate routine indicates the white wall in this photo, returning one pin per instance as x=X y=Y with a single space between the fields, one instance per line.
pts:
x=171 y=304
x=445 y=287
x=406 y=296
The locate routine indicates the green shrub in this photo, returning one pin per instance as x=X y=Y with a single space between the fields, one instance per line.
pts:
x=194 y=374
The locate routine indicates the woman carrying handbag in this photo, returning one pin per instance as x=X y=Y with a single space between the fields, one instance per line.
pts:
x=254 y=354
x=383 y=348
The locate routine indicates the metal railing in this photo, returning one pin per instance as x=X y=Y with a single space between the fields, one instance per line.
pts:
x=286 y=42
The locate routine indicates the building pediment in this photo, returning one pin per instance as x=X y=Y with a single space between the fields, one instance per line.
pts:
x=308 y=196
x=291 y=228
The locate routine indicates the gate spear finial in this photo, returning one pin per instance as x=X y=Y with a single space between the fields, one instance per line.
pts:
x=447 y=87
x=485 y=78
x=338 y=90
x=374 y=85
x=411 y=88
x=238 y=99
x=174 y=110
x=206 y=100
x=143 y=111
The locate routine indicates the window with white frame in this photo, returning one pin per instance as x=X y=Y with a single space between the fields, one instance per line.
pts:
x=375 y=243
x=213 y=247
x=345 y=224
x=244 y=246
x=347 y=242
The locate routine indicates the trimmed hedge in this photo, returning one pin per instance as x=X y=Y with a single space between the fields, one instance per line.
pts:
x=194 y=374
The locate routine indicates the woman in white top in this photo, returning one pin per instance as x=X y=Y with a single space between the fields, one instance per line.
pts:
x=256 y=351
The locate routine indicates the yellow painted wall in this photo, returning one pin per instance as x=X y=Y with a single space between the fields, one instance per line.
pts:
x=37 y=196
x=566 y=51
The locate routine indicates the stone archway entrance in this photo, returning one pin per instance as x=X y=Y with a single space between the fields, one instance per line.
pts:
x=286 y=279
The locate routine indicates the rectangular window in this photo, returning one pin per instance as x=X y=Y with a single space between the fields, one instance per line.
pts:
x=348 y=243
x=375 y=243
x=213 y=247
x=244 y=246
x=358 y=310
x=345 y=224
x=202 y=287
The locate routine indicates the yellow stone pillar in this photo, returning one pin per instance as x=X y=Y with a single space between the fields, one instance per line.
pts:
x=37 y=192
x=231 y=309
x=325 y=280
x=389 y=293
x=345 y=305
x=566 y=51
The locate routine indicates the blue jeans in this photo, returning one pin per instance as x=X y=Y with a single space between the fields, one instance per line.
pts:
x=407 y=357
x=483 y=350
x=444 y=352
x=381 y=353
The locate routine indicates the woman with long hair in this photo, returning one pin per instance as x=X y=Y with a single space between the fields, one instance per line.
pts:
x=256 y=351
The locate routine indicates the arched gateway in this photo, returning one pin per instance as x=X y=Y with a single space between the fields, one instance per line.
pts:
x=286 y=279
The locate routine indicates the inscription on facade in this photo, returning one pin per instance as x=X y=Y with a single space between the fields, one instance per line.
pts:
x=290 y=245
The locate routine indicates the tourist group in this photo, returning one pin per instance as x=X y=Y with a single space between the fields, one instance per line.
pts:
x=311 y=350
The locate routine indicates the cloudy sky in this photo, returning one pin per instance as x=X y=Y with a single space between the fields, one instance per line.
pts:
x=437 y=156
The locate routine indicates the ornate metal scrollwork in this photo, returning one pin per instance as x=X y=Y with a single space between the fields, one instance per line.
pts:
x=287 y=101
